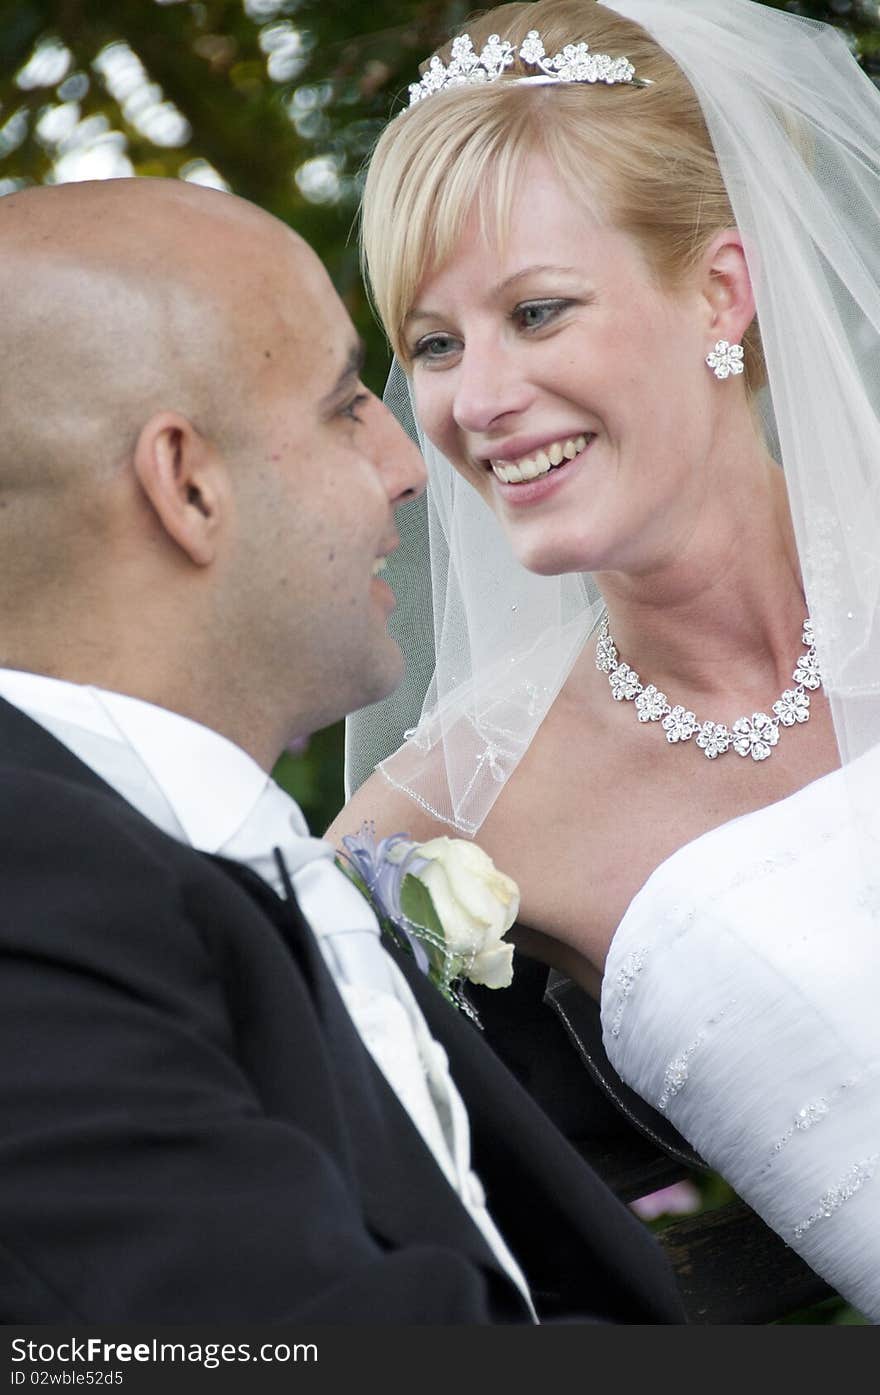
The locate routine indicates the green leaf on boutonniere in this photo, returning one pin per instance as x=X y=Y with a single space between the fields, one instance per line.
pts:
x=418 y=906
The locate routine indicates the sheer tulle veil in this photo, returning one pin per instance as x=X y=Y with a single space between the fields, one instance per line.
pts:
x=796 y=129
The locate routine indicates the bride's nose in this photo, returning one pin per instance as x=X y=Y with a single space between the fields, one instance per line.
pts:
x=489 y=386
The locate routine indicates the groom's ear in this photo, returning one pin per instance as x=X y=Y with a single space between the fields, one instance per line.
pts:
x=183 y=478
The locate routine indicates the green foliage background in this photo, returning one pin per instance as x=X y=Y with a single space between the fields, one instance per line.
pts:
x=266 y=89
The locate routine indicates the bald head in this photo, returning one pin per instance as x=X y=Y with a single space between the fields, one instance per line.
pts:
x=120 y=298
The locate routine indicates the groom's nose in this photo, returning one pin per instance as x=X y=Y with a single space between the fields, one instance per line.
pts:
x=396 y=456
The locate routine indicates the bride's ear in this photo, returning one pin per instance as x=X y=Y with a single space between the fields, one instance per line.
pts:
x=726 y=287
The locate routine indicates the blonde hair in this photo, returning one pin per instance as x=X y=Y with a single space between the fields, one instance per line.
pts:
x=641 y=156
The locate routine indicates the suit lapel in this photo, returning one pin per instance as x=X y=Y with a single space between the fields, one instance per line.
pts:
x=291 y=925
x=582 y=1248
x=406 y=1199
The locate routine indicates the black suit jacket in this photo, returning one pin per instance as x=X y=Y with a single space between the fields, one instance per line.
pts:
x=191 y=1129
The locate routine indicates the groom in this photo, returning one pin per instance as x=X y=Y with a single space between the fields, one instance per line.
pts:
x=220 y=1099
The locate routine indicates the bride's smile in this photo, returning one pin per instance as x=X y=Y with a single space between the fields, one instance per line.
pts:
x=515 y=466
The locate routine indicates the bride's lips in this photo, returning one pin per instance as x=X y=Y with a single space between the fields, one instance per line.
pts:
x=533 y=491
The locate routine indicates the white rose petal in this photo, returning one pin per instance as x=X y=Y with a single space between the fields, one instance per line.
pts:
x=475 y=902
x=494 y=967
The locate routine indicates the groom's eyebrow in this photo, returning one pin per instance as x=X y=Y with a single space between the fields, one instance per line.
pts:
x=354 y=365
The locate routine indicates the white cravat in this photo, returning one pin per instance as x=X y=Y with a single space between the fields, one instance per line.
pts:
x=199 y=788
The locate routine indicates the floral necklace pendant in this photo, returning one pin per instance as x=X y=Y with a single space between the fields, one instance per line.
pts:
x=753 y=736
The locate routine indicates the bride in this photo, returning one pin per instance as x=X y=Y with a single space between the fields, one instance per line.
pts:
x=626 y=255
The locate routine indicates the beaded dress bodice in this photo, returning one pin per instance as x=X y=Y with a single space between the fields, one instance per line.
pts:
x=742 y=999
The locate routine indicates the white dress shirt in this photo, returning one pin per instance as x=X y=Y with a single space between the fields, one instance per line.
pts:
x=205 y=791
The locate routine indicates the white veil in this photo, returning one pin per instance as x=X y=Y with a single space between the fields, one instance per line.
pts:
x=796 y=129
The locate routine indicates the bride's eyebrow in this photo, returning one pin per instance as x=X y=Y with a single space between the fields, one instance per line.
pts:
x=496 y=291
x=422 y=315
x=510 y=281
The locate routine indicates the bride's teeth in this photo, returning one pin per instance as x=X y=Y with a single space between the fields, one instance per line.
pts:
x=530 y=467
x=379 y=565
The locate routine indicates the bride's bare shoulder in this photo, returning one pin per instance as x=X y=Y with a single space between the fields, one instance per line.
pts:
x=389 y=810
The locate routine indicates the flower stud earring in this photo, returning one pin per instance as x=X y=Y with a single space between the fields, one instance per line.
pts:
x=725 y=359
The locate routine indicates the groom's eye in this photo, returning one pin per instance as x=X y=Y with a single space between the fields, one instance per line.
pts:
x=350 y=409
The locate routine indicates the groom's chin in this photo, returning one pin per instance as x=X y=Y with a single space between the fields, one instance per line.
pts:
x=393 y=670
x=376 y=680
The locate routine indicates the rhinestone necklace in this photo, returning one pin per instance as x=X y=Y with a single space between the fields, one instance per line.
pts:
x=753 y=736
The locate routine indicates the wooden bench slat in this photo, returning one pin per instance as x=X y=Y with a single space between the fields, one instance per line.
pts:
x=730 y=1266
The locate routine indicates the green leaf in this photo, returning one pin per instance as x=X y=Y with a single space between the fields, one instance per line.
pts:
x=417 y=905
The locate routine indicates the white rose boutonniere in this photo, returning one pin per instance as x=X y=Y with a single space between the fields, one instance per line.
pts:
x=445 y=900
x=476 y=905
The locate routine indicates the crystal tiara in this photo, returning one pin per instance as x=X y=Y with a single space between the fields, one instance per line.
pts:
x=574 y=64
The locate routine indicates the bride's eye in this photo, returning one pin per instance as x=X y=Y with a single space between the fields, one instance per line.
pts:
x=436 y=347
x=534 y=314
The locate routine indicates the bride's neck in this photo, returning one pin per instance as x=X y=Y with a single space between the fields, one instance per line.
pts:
x=726 y=604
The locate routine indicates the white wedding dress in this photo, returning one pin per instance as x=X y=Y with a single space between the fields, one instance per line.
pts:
x=742 y=999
